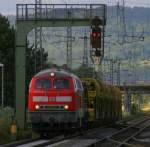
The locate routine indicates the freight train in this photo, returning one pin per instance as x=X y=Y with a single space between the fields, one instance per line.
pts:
x=59 y=100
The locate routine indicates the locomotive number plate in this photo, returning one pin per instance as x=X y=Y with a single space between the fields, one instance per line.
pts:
x=52 y=99
x=40 y=98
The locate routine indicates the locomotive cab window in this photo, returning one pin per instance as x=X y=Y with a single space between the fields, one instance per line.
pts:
x=79 y=85
x=43 y=83
x=61 y=83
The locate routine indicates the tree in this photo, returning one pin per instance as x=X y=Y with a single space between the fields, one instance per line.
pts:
x=7 y=54
x=7 y=57
x=31 y=54
x=84 y=71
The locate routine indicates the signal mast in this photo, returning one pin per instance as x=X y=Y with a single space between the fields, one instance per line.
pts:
x=97 y=41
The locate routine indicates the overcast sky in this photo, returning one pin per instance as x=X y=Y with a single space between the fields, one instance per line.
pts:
x=9 y=6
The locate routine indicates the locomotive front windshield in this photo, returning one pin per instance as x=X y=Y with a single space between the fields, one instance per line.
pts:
x=61 y=83
x=43 y=83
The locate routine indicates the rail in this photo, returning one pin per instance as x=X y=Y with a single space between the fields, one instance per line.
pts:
x=123 y=136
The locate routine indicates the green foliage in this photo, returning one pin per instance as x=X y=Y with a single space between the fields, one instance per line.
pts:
x=84 y=71
x=7 y=57
x=134 y=109
x=31 y=54
x=5 y=122
x=7 y=53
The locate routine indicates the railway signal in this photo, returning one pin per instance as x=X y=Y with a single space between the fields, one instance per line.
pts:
x=96 y=38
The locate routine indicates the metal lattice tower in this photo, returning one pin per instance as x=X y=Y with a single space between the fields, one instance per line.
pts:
x=69 y=43
x=118 y=71
x=85 y=56
x=38 y=37
x=111 y=71
x=121 y=21
x=123 y=35
x=85 y=50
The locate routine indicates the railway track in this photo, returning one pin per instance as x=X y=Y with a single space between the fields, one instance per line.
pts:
x=38 y=142
x=43 y=142
x=21 y=142
x=129 y=136
x=76 y=138
x=98 y=137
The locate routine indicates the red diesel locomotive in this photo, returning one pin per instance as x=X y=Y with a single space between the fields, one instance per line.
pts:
x=55 y=100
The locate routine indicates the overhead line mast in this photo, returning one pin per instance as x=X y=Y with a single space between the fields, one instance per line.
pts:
x=38 y=38
x=85 y=56
x=69 y=43
x=121 y=23
x=85 y=60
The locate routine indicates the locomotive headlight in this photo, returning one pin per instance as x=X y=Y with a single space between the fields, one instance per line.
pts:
x=37 y=107
x=52 y=74
x=66 y=107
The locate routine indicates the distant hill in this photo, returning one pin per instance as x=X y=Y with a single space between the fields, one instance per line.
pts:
x=135 y=13
x=136 y=18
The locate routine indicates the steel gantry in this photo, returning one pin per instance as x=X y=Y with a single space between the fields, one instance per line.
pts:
x=49 y=15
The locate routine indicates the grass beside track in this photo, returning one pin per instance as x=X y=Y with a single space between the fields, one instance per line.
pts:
x=6 y=115
x=5 y=136
x=5 y=122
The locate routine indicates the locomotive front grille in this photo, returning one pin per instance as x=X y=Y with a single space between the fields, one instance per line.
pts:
x=51 y=107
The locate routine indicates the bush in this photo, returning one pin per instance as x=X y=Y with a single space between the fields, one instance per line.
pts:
x=5 y=122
